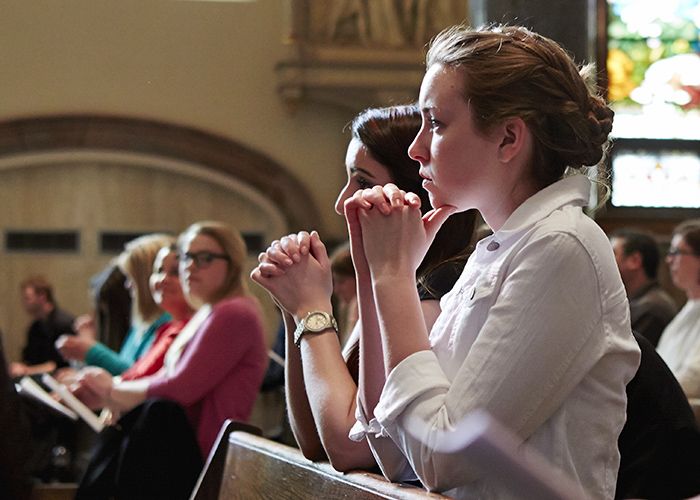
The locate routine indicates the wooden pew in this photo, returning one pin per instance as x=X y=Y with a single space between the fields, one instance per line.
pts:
x=54 y=491
x=209 y=482
x=257 y=468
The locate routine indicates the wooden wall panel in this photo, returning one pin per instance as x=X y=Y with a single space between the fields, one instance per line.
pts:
x=94 y=192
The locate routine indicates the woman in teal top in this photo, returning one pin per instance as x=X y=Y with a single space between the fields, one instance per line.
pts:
x=136 y=343
x=136 y=262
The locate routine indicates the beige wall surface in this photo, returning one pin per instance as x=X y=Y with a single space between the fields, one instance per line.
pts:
x=205 y=65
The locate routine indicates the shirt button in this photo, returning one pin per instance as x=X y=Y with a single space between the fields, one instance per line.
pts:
x=493 y=246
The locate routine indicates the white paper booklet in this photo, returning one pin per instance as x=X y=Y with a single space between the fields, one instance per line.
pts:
x=27 y=386
x=73 y=403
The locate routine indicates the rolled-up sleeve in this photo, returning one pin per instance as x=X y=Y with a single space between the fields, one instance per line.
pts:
x=416 y=375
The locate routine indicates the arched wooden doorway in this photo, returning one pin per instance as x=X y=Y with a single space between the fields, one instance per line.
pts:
x=95 y=176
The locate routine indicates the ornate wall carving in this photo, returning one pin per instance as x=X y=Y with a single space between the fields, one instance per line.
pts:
x=358 y=53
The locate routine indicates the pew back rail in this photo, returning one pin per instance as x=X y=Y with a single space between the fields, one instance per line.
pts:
x=259 y=468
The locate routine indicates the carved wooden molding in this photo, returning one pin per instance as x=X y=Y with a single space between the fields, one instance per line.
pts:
x=150 y=137
x=357 y=54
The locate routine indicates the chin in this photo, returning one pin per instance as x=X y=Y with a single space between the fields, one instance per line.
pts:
x=194 y=301
x=434 y=201
x=438 y=202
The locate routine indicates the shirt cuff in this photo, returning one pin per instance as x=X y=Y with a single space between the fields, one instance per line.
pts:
x=362 y=427
x=417 y=374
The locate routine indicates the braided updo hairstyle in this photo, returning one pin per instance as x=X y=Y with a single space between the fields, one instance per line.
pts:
x=510 y=71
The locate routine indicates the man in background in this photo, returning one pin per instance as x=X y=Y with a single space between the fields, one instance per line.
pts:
x=637 y=257
x=49 y=322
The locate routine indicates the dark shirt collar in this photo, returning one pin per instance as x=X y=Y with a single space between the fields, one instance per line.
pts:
x=644 y=290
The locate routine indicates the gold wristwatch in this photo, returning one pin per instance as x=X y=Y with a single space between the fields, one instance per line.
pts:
x=314 y=322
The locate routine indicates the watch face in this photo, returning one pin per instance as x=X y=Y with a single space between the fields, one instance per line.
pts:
x=317 y=321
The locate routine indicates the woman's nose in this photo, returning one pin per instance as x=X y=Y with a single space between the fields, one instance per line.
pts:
x=186 y=266
x=417 y=151
x=339 y=203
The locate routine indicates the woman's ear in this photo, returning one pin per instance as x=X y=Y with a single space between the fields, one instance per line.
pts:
x=515 y=139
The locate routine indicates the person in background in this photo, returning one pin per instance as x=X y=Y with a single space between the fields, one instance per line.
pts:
x=680 y=342
x=136 y=262
x=651 y=307
x=660 y=442
x=215 y=366
x=213 y=370
x=49 y=322
x=167 y=293
x=112 y=305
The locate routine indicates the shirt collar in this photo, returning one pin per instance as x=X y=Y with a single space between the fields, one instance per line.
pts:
x=643 y=290
x=573 y=190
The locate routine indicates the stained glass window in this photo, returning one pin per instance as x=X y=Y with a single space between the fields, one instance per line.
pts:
x=654 y=68
x=656 y=178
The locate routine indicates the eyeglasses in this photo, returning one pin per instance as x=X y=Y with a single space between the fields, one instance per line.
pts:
x=202 y=259
x=677 y=251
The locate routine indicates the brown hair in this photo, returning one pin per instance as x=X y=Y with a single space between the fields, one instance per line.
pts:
x=232 y=245
x=341 y=261
x=136 y=262
x=40 y=285
x=690 y=231
x=387 y=133
x=510 y=71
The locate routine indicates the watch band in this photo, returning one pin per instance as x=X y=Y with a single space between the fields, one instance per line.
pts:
x=314 y=322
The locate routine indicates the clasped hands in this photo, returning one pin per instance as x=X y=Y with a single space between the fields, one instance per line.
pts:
x=296 y=271
x=388 y=237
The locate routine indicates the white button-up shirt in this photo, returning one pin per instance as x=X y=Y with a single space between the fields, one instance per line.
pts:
x=536 y=332
x=679 y=346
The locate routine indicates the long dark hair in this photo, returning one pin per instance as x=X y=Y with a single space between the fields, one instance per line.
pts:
x=387 y=133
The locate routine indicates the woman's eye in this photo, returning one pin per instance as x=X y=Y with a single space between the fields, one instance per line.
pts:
x=433 y=123
x=363 y=183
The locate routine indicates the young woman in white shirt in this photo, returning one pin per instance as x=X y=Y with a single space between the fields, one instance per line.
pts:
x=536 y=330
x=679 y=345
